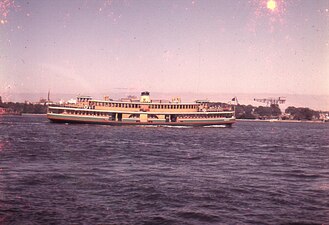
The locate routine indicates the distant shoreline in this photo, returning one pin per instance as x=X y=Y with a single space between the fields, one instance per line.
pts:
x=281 y=121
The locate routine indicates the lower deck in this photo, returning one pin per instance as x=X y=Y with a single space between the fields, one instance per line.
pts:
x=63 y=115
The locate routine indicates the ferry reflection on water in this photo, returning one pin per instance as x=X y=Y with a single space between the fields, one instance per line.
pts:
x=143 y=111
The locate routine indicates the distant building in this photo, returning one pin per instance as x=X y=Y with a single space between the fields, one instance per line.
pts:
x=324 y=116
x=2 y=111
x=8 y=111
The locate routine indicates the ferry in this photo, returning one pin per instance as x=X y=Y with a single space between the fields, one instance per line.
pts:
x=142 y=111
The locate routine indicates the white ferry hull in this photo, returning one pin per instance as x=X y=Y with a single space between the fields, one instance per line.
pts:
x=58 y=118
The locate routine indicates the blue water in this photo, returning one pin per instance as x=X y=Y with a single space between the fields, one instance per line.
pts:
x=253 y=173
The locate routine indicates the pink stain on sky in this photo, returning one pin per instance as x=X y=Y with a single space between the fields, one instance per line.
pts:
x=263 y=13
x=5 y=7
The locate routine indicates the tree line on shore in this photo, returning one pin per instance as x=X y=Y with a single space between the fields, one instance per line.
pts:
x=274 y=112
x=242 y=111
x=27 y=107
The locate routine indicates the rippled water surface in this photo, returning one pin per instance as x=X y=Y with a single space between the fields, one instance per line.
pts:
x=253 y=173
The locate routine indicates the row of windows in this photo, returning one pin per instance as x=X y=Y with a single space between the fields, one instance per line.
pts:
x=137 y=116
x=120 y=105
x=130 y=105
x=203 y=116
x=86 y=113
x=173 y=106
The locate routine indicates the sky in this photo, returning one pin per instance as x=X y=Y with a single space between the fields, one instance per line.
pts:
x=164 y=46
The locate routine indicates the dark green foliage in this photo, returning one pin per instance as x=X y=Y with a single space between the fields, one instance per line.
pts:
x=273 y=111
x=245 y=112
x=25 y=107
x=302 y=113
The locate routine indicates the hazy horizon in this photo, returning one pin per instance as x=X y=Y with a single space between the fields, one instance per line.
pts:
x=315 y=102
x=84 y=46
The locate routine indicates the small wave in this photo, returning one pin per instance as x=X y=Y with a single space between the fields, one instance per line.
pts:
x=323 y=186
x=216 y=126
x=178 y=127
x=148 y=126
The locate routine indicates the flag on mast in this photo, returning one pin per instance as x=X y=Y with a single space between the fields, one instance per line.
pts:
x=235 y=101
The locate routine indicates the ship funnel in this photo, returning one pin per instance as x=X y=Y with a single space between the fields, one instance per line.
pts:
x=145 y=96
